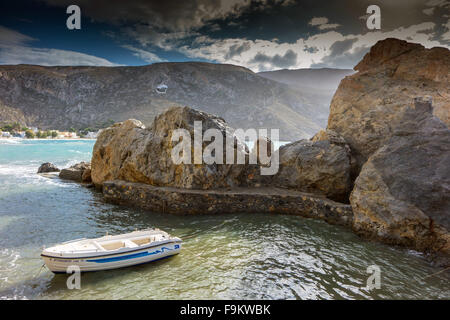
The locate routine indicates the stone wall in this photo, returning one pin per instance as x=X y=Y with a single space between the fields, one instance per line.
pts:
x=235 y=200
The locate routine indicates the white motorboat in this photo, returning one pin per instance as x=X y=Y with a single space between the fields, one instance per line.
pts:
x=111 y=252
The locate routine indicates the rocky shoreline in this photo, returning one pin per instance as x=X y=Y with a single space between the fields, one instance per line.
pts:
x=381 y=168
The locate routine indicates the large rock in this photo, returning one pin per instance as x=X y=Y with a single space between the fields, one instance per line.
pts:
x=129 y=151
x=47 y=167
x=402 y=195
x=321 y=166
x=263 y=146
x=86 y=176
x=76 y=172
x=368 y=103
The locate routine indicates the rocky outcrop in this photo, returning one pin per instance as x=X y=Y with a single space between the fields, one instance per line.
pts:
x=233 y=200
x=47 y=167
x=86 y=176
x=321 y=165
x=262 y=151
x=134 y=166
x=79 y=172
x=367 y=105
x=129 y=151
x=402 y=195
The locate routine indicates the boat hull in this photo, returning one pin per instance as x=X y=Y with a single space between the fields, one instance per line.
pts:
x=130 y=258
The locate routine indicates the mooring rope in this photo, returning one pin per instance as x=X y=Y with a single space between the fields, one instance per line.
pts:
x=431 y=275
x=40 y=269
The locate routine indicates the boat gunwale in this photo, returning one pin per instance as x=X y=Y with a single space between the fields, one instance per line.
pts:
x=175 y=240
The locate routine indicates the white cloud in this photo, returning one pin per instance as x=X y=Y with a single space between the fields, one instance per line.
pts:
x=433 y=4
x=147 y=56
x=313 y=50
x=446 y=36
x=428 y=11
x=317 y=21
x=146 y=35
x=328 y=26
x=15 y=49
x=322 y=23
x=9 y=37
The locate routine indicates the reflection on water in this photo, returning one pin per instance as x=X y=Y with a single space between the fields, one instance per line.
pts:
x=258 y=256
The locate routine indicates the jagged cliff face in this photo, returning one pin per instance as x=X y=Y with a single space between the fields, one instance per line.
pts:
x=63 y=97
x=402 y=193
x=394 y=115
x=394 y=72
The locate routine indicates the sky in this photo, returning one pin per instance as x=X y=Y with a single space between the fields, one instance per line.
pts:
x=261 y=35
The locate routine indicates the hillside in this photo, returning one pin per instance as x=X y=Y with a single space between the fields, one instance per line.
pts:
x=315 y=85
x=319 y=79
x=80 y=97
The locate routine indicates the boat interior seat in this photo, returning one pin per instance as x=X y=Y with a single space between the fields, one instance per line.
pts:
x=113 y=245
x=130 y=244
x=142 y=241
x=98 y=246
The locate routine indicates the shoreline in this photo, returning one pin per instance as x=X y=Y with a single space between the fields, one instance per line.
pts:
x=40 y=139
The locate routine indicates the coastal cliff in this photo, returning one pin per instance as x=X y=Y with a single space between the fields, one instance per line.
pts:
x=394 y=115
x=402 y=193
x=368 y=103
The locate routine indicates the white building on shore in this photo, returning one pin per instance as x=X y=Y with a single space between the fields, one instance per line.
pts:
x=67 y=135
x=91 y=135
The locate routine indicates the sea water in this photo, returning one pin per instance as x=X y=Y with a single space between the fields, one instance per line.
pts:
x=233 y=256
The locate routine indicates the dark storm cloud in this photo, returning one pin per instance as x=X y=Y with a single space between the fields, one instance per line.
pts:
x=339 y=47
x=289 y=59
x=311 y=49
x=183 y=15
x=345 y=60
x=236 y=50
x=174 y=15
x=258 y=34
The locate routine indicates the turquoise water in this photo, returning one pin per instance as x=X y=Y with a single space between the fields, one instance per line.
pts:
x=224 y=256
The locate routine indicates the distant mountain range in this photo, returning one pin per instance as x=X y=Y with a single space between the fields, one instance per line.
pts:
x=295 y=101
x=317 y=86
x=325 y=79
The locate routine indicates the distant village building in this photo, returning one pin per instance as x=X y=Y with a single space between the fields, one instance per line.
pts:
x=67 y=135
x=91 y=135
x=6 y=135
